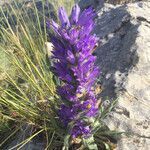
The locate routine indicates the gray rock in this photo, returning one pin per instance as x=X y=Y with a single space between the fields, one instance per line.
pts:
x=122 y=1
x=124 y=59
x=87 y=3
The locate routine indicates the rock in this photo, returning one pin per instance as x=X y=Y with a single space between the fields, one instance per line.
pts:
x=99 y=3
x=122 y=1
x=94 y=3
x=124 y=59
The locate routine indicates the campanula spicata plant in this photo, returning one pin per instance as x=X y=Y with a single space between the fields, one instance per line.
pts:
x=74 y=65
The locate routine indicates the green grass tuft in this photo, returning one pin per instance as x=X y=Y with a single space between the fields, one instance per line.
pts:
x=27 y=88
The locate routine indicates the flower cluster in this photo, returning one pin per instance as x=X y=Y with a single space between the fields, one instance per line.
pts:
x=74 y=65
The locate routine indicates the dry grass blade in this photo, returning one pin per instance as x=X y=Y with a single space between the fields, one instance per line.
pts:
x=29 y=94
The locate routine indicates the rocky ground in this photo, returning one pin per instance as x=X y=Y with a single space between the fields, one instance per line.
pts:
x=124 y=59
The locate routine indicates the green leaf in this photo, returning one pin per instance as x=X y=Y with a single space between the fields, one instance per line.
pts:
x=66 y=142
x=90 y=143
x=107 y=146
x=106 y=111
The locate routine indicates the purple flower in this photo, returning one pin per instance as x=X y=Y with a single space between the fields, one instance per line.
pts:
x=74 y=65
x=63 y=17
x=80 y=128
x=75 y=14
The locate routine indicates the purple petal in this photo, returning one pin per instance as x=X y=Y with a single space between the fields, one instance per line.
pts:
x=70 y=57
x=55 y=25
x=86 y=17
x=63 y=17
x=75 y=14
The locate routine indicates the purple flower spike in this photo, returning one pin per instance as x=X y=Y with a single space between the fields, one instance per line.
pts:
x=74 y=64
x=63 y=17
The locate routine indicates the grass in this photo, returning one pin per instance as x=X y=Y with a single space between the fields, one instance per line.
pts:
x=27 y=87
